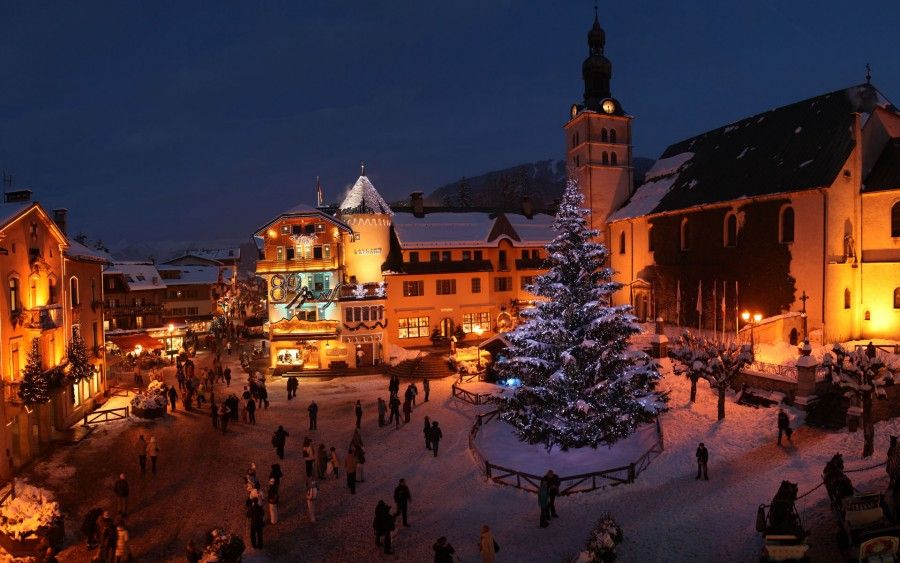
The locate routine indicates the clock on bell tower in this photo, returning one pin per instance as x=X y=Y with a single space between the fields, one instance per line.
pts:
x=598 y=137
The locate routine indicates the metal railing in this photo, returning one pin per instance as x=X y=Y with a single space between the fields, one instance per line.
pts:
x=569 y=484
x=106 y=415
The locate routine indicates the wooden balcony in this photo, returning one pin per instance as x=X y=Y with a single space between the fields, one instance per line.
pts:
x=296 y=265
x=47 y=317
x=303 y=330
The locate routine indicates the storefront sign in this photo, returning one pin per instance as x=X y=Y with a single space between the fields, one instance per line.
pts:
x=364 y=251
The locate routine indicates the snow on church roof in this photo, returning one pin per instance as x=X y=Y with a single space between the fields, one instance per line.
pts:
x=364 y=198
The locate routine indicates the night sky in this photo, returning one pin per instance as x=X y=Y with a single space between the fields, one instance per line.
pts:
x=189 y=121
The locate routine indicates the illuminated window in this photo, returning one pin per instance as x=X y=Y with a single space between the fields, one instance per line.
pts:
x=685 y=237
x=51 y=291
x=279 y=253
x=14 y=297
x=730 y=230
x=413 y=327
x=895 y=220
x=139 y=322
x=787 y=225
x=897 y=298
x=326 y=252
x=471 y=321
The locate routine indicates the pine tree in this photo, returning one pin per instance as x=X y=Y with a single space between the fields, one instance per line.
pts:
x=581 y=387
x=34 y=388
x=465 y=194
x=76 y=352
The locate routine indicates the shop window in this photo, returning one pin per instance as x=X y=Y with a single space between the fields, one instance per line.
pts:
x=787 y=225
x=413 y=327
x=473 y=321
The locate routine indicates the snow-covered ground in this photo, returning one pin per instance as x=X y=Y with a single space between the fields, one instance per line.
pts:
x=666 y=515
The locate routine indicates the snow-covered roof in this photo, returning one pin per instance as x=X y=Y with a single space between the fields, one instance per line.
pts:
x=303 y=210
x=364 y=198
x=537 y=230
x=450 y=229
x=657 y=183
x=192 y=275
x=78 y=251
x=139 y=276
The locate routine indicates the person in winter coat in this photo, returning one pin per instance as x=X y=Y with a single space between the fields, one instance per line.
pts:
x=402 y=497
x=487 y=545
x=360 y=454
x=226 y=375
x=407 y=410
x=121 y=490
x=702 y=461
x=552 y=490
x=173 y=396
x=334 y=461
x=395 y=410
x=351 y=470
x=426 y=388
x=122 y=550
x=544 y=503
x=224 y=416
x=382 y=411
x=312 y=492
x=142 y=453
x=107 y=551
x=427 y=431
x=313 y=409
x=321 y=461
x=414 y=392
x=278 y=440
x=272 y=496
x=251 y=411
x=784 y=426
x=152 y=452
x=443 y=551
x=292 y=385
x=257 y=518
x=214 y=413
x=309 y=456
x=394 y=385
x=436 y=436
x=358 y=411
x=276 y=474
x=384 y=525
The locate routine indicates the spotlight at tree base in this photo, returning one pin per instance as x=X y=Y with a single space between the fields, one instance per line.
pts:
x=511 y=382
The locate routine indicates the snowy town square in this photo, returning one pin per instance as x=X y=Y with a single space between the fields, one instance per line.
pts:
x=338 y=282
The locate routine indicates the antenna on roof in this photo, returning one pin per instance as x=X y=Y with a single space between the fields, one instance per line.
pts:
x=320 y=197
x=8 y=182
x=362 y=168
x=868 y=74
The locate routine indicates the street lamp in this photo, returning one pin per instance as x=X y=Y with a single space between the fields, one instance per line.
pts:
x=478 y=331
x=169 y=348
x=753 y=321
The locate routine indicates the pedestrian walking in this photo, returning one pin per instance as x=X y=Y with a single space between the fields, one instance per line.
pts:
x=226 y=375
x=313 y=409
x=358 y=411
x=272 y=496
x=309 y=456
x=784 y=426
x=360 y=454
x=395 y=411
x=443 y=551
x=436 y=436
x=544 y=503
x=415 y=392
x=108 y=538
x=142 y=453
x=251 y=411
x=257 y=517
x=351 y=471
x=321 y=461
x=402 y=497
x=312 y=492
x=382 y=411
x=335 y=462
x=152 y=452
x=173 y=396
x=224 y=416
x=427 y=431
x=394 y=385
x=278 y=440
x=702 y=461
x=426 y=388
x=121 y=490
x=552 y=490
x=384 y=525
x=275 y=473
x=214 y=414
x=407 y=410
x=291 y=387
x=228 y=347
x=138 y=377
x=123 y=552
x=487 y=545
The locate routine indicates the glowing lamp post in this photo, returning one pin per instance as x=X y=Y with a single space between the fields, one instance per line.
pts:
x=753 y=320
x=478 y=331
x=169 y=348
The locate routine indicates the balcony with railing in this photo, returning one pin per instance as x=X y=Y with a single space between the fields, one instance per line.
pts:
x=142 y=309
x=47 y=317
x=296 y=265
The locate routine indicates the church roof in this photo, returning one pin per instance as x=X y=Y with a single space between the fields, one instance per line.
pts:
x=363 y=198
x=795 y=147
x=885 y=175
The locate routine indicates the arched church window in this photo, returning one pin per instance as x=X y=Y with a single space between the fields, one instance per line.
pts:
x=604 y=135
x=685 y=239
x=613 y=159
x=846 y=298
x=605 y=157
x=897 y=298
x=612 y=135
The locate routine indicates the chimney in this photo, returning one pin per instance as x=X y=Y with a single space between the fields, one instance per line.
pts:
x=527 y=207
x=417 y=203
x=59 y=217
x=18 y=196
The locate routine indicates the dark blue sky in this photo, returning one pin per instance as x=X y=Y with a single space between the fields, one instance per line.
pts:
x=197 y=121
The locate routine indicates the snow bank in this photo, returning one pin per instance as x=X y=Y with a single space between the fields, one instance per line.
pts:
x=32 y=508
x=396 y=354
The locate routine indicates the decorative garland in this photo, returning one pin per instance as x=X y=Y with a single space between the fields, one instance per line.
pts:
x=359 y=325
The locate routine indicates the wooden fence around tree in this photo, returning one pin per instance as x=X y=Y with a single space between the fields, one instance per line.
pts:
x=569 y=484
x=470 y=397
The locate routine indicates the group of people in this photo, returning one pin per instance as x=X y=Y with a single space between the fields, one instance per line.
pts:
x=108 y=537
x=394 y=405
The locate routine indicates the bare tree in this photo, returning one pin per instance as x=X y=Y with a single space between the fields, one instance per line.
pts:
x=718 y=363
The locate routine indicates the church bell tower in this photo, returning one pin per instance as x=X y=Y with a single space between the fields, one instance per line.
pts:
x=598 y=137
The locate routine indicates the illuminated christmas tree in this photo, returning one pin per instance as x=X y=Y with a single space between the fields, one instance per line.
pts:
x=76 y=352
x=581 y=386
x=35 y=387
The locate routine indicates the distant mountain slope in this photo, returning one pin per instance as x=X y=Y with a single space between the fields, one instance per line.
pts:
x=543 y=181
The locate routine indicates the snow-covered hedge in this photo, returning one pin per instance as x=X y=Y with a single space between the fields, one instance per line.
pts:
x=601 y=546
x=33 y=509
x=223 y=546
x=154 y=397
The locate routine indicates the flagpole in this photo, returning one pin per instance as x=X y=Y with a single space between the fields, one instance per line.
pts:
x=737 y=306
x=715 y=312
x=700 y=307
x=724 y=307
x=678 y=305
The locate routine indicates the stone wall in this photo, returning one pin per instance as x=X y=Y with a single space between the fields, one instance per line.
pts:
x=767 y=383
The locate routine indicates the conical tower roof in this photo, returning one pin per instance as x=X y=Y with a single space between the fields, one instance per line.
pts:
x=364 y=198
